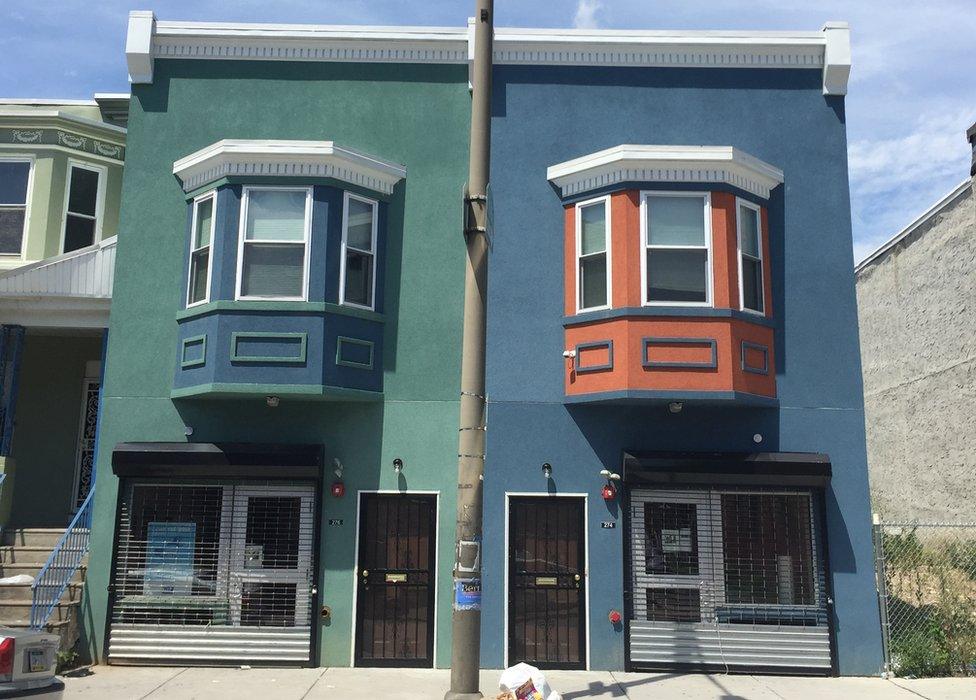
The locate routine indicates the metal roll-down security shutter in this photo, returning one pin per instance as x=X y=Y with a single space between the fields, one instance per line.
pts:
x=727 y=579
x=213 y=573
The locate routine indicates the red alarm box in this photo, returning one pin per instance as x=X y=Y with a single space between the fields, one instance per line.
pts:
x=338 y=489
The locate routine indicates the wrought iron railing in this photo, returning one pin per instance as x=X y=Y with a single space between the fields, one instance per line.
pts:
x=61 y=566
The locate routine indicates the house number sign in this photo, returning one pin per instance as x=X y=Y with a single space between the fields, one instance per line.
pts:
x=608 y=524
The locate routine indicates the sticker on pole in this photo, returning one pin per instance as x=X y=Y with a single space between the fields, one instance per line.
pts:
x=467 y=594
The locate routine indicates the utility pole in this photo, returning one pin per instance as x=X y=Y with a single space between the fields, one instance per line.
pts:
x=466 y=604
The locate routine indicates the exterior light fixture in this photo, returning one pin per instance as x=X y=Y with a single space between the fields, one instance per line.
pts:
x=675 y=406
x=338 y=468
x=547 y=470
x=272 y=401
x=398 y=465
x=569 y=354
x=188 y=430
x=757 y=438
x=605 y=473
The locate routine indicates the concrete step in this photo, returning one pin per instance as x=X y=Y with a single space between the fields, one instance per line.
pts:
x=33 y=536
x=17 y=610
x=14 y=554
x=23 y=591
x=33 y=569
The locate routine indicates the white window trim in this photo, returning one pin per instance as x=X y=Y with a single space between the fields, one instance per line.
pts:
x=212 y=194
x=709 y=273
x=306 y=242
x=99 y=200
x=739 y=202
x=25 y=158
x=342 y=252
x=605 y=200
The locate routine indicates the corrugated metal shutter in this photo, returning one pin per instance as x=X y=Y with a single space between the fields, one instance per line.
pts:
x=726 y=579
x=213 y=573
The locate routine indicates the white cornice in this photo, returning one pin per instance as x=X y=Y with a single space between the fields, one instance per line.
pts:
x=653 y=164
x=827 y=50
x=286 y=159
x=31 y=117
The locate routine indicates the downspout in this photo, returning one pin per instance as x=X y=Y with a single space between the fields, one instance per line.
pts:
x=466 y=615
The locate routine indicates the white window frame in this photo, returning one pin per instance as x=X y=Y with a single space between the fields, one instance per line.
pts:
x=605 y=200
x=99 y=217
x=212 y=194
x=347 y=196
x=709 y=247
x=762 y=257
x=29 y=159
x=306 y=242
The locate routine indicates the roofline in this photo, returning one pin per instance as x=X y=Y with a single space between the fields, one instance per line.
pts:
x=64 y=116
x=46 y=102
x=827 y=50
x=921 y=220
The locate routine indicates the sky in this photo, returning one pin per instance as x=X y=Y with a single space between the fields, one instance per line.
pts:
x=912 y=93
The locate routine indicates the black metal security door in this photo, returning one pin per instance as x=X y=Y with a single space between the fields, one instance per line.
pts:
x=395 y=596
x=546 y=580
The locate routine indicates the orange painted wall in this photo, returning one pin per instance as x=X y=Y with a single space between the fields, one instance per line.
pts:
x=725 y=265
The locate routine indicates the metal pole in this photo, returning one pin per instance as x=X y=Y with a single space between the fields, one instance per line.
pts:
x=466 y=616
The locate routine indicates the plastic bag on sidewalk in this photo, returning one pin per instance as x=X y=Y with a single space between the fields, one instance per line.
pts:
x=524 y=682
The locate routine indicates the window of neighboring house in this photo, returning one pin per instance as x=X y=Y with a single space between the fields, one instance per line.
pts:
x=82 y=220
x=273 y=255
x=677 y=243
x=592 y=254
x=358 y=276
x=15 y=176
x=750 y=257
x=204 y=209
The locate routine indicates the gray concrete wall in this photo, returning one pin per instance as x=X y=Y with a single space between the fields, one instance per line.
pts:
x=917 y=312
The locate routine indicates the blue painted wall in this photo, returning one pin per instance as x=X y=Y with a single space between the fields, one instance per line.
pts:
x=546 y=115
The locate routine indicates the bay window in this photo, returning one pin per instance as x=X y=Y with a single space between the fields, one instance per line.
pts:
x=201 y=239
x=15 y=174
x=676 y=235
x=592 y=254
x=82 y=218
x=273 y=253
x=750 y=257
x=358 y=275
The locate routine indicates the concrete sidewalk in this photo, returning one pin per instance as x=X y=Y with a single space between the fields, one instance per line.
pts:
x=396 y=684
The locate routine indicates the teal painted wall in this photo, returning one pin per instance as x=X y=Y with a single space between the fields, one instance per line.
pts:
x=384 y=110
x=45 y=436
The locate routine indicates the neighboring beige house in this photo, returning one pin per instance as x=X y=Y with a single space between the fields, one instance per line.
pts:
x=917 y=309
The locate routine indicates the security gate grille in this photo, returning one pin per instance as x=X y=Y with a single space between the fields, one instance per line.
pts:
x=546 y=580
x=213 y=573
x=726 y=579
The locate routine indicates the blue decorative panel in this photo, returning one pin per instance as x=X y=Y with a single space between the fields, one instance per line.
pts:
x=193 y=351
x=755 y=347
x=268 y=347
x=706 y=342
x=353 y=352
x=578 y=365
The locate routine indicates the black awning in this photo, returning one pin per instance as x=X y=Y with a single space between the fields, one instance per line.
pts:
x=727 y=468
x=210 y=459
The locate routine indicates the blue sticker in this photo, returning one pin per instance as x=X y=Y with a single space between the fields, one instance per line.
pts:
x=467 y=594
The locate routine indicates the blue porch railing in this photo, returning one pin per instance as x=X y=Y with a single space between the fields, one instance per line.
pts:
x=61 y=566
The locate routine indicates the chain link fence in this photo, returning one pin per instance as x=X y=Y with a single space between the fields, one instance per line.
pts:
x=927 y=588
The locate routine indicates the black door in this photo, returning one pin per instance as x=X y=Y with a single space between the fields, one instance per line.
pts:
x=395 y=597
x=546 y=581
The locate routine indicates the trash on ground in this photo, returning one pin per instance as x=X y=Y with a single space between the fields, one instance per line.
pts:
x=525 y=682
x=18 y=580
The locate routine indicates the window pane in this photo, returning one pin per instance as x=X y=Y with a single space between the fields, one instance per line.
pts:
x=593 y=281
x=201 y=236
x=593 y=229
x=275 y=215
x=677 y=275
x=11 y=231
x=752 y=294
x=83 y=192
x=749 y=231
x=273 y=270
x=359 y=278
x=359 y=223
x=768 y=549
x=78 y=232
x=671 y=532
x=13 y=182
x=198 y=275
x=675 y=221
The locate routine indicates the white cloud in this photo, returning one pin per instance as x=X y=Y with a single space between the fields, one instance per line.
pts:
x=585 y=17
